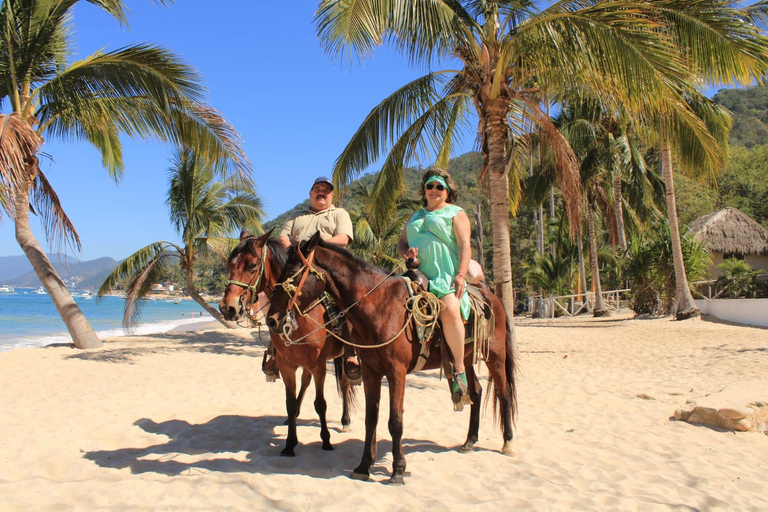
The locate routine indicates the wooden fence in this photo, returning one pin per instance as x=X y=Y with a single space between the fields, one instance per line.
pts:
x=572 y=305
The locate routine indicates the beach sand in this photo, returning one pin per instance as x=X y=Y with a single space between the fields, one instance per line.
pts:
x=186 y=421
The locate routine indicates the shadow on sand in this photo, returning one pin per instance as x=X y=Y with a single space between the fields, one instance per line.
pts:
x=218 y=446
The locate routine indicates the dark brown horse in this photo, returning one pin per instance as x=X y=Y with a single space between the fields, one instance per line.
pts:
x=375 y=305
x=254 y=266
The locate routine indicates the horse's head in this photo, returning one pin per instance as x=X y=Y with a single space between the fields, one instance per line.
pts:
x=246 y=266
x=301 y=284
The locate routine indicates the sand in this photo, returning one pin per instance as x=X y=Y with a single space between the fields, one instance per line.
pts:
x=186 y=421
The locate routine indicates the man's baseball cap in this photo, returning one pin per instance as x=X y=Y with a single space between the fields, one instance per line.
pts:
x=323 y=179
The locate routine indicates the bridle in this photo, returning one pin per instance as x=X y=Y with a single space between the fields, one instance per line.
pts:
x=290 y=324
x=253 y=286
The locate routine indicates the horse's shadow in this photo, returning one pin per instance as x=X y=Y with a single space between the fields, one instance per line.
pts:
x=233 y=444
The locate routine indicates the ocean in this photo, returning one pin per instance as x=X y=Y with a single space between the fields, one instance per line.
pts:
x=31 y=320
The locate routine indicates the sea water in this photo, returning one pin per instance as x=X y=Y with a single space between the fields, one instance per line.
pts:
x=28 y=319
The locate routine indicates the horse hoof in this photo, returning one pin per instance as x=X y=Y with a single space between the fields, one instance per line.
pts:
x=346 y=428
x=396 y=480
x=360 y=476
x=467 y=447
x=328 y=447
x=287 y=452
x=507 y=449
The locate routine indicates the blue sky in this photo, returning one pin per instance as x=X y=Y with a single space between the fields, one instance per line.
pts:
x=295 y=107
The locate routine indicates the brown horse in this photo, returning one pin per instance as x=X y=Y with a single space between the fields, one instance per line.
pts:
x=375 y=304
x=253 y=268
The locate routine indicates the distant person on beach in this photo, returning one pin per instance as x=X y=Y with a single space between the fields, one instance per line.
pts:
x=335 y=227
x=438 y=236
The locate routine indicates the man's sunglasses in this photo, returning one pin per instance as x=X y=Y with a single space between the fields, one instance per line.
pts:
x=430 y=186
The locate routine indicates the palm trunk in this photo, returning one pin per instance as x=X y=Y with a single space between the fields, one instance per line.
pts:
x=192 y=291
x=480 y=236
x=582 y=268
x=496 y=137
x=618 y=210
x=79 y=329
x=599 y=309
x=686 y=307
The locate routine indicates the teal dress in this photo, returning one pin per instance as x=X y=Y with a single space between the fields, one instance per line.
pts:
x=430 y=232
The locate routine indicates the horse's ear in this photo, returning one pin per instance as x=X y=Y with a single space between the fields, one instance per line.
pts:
x=244 y=234
x=312 y=242
x=263 y=238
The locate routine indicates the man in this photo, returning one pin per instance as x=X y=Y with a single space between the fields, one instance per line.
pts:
x=333 y=223
x=335 y=227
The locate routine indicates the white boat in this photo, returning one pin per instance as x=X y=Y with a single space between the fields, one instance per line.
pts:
x=40 y=291
x=85 y=295
x=7 y=289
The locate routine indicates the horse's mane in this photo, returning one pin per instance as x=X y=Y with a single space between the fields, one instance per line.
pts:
x=275 y=248
x=365 y=265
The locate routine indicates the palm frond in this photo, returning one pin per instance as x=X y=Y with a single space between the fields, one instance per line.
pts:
x=142 y=269
x=55 y=221
x=18 y=144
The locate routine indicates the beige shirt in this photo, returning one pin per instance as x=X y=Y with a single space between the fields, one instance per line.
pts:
x=330 y=222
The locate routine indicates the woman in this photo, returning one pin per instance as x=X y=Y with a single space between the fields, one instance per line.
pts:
x=439 y=236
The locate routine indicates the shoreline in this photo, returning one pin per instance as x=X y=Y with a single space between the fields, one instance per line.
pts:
x=186 y=421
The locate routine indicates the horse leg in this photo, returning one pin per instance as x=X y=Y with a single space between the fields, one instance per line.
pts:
x=321 y=406
x=396 y=398
x=291 y=407
x=476 y=394
x=345 y=389
x=306 y=377
x=372 y=388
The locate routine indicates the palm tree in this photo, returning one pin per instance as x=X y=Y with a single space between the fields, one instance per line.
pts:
x=722 y=45
x=203 y=211
x=507 y=58
x=139 y=91
x=376 y=236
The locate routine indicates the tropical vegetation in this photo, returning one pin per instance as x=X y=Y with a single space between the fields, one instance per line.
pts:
x=505 y=62
x=139 y=91
x=204 y=210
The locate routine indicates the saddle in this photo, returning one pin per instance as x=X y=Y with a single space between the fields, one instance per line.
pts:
x=478 y=328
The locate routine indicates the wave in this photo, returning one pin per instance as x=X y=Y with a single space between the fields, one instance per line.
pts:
x=156 y=327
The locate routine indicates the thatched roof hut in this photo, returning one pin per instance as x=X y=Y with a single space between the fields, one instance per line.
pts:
x=730 y=231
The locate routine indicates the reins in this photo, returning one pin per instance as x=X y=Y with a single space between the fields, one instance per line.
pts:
x=295 y=291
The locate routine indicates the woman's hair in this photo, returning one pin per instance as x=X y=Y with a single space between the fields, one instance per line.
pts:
x=453 y=190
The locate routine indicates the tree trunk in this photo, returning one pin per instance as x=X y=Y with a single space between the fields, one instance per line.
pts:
x=192 y=291
x=618 y=210
x=686 y=307
x=496 y=137
x=540 y=230
x=79 y=329
x=582 y=268
x=600 y=309
x=552 y=216
x=480 y=235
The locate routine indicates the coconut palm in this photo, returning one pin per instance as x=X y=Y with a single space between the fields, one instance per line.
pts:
x=722 y=45
x=139 y=91
x=204 y=210
x=376 y=236
x=506 y=57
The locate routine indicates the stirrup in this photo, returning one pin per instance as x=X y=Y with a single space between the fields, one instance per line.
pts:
x=460 y=392
x=353 y=373
x=271 y=372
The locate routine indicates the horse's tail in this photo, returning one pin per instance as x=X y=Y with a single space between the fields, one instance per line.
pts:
x=510 y=372
x=338 y=370
x=510 y=366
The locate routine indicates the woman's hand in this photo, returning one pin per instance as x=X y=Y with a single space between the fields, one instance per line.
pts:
x=459 y=283
x=411 y=253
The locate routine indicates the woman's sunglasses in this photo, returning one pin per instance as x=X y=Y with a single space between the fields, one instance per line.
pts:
x=430 y=186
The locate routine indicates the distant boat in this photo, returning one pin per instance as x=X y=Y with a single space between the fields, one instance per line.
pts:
x=7 y=289
x=85 y=295
x=40 y=291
